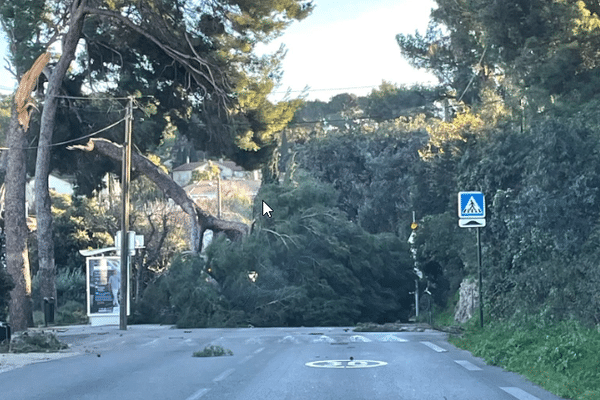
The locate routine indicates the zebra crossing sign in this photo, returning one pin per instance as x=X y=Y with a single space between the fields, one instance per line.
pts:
x=471 y=205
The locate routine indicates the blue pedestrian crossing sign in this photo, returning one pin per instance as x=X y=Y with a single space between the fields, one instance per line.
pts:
x=471 y=205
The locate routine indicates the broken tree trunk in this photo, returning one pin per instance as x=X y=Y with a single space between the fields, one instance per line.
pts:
x=201 y=220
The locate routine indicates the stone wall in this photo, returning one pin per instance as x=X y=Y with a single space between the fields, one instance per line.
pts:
x=468 y=302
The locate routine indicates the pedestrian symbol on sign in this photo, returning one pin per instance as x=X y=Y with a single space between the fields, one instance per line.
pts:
x=472 y=207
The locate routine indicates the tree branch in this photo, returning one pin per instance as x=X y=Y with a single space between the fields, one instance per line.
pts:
x=186 y=60
x=201 y=220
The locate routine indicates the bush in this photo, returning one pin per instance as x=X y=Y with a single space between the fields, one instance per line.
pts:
x=186 y=296
x=36 y=342
x=70 y=286
x=213 y=351
x=6 y=285
x=72 y=313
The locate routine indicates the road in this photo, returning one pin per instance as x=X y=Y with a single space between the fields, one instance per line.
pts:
x=155 y=362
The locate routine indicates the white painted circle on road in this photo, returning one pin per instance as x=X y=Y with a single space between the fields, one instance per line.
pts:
x=345 y=364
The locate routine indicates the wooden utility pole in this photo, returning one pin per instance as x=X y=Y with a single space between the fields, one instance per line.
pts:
x=219 y=210
x=126 y=175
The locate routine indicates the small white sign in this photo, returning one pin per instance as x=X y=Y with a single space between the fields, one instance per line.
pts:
x=471 y=223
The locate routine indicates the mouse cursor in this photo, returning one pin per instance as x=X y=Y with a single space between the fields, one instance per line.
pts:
x=266 y=209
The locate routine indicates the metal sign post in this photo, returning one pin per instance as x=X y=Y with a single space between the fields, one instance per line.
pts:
x=471 y=214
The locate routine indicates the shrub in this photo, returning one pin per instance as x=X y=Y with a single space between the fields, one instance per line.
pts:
x=72 y=313
x=213 y=351
x=6 y=285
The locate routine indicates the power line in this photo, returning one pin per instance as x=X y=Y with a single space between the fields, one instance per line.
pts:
x=326 y=90
x=72 y=140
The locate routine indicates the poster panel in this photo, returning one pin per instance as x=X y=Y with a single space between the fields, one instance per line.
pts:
x=104 y=286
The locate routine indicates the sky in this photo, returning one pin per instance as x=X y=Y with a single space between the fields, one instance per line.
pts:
x=351 y=44
x=344 y=46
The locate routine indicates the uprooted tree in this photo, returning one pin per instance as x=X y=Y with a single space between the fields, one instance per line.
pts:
x=200 y=219
x=194 y=58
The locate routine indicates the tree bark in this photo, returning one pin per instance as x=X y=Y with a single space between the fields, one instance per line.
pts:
x=43 y=202
x=200 y=219
x=17 y=256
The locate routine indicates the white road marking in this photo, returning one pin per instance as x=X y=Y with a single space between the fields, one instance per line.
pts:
x=150 y=343
x=391 y=338
x=224 y=375
x=434 y=347
x=359 y=338
x=468 y=365
x=324 y=338
x=289 y=339
x=253 y=340
x=341 y=364
x=519 y=393
x=198 y=394
x=245 y=359
x=258 y=350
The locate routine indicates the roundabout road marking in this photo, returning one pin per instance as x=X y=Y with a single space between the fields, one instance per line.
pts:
x=345 y=364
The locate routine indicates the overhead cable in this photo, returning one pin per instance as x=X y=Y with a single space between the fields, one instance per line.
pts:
x=71 y=140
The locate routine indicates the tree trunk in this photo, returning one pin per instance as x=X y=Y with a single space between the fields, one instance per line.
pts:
x=43 y=203
x=17 y=257
x=201 y=220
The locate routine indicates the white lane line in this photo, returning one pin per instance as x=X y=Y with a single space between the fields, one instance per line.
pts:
x=434 y=347
x=224 y=375
x=150 y=343
x=468 y=365
x=246 y=359
x=258 y=350
x=519 y=393
x=198 y=394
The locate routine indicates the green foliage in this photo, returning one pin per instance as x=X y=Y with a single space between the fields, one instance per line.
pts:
x=314 y=266
x=79 y=223
x=70 y=286
x=185 y=295
x=213 y=351
x=6 y=285
x=72 y=313
x=445 y=254
x=36 y=342
x=560 y=357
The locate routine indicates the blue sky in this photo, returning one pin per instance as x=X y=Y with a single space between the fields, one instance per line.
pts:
x=344 y=46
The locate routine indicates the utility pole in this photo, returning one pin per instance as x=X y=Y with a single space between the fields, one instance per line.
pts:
x=219 y=194
x=413 y=251
x=126 y=175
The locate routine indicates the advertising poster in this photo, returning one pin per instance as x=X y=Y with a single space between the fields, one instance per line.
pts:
x=104 y=285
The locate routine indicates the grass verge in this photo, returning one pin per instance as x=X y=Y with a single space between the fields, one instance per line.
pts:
x=563 y=358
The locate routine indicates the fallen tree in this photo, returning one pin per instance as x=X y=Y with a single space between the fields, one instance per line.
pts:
x=200 y=219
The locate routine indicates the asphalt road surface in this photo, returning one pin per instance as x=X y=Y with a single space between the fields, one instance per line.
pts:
x=154 y=362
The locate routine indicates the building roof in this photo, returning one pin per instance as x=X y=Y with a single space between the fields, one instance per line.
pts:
x=190 y=166
x=195 y=165
x=209 y=189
